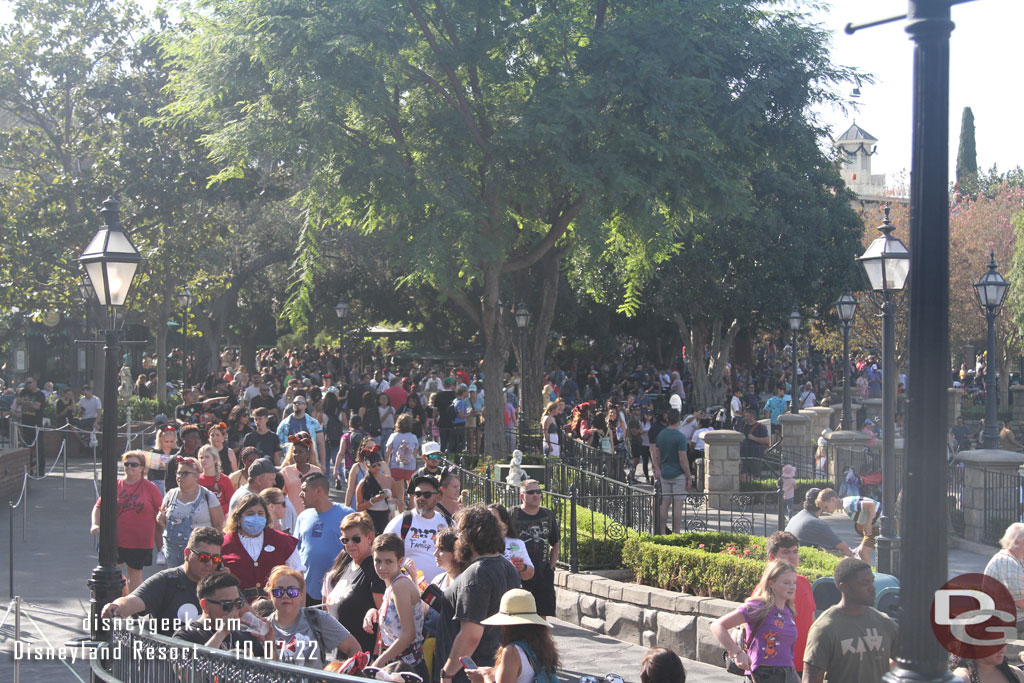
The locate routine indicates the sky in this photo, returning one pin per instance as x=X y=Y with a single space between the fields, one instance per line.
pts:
x=985 y=75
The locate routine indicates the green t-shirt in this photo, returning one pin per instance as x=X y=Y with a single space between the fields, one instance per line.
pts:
x=671 y=442
x=851 y=649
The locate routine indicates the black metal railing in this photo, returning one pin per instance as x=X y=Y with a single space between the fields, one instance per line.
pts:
x=138 y=656
x=587 y=457
x=1002 y=503
x=955 y=497
x=759 y=513
x=800 y=456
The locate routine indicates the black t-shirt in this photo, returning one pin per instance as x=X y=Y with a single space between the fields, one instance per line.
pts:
x=445 y=412
x=476 y=595
x=752 y=449
x=261 y=401
x=189 y=414
x=32 y=416
x=199 y=634
x=539 y=532
x=222 y=410
x=170 y=598
x=267 y=443
x=424 y=472
x=358 y=583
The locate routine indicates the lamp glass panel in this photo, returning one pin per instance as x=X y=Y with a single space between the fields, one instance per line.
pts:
x=119 y=278
x=95 y=272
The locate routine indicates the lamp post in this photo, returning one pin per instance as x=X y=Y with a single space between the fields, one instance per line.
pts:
x=110 y=261
x=341 y=310
x=991 y=291
x=846 y=308
x=185 y=301
x=522 y=315
x=794 y=325
x=85 y=292
x=887 y=264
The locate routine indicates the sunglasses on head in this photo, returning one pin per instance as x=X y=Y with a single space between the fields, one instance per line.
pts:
x=351 y=539
x=424 y=494
x=291 y=592
x=206 y=558
x=228 y=605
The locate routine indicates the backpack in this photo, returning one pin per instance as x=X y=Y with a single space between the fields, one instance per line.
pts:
x=407 y=521
x=544 y=675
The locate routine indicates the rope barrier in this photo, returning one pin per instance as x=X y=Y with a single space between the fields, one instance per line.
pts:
x=52 y=648
x=50 y=610
x=24 y=484
x=61 y=453
x=72 y=428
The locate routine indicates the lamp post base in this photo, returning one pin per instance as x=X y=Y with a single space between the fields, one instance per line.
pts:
x=901 y=675
x=888 y=548
x=105 y=584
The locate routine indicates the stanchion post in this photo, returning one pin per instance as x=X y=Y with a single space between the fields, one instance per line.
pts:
x=24 y=505
x=17 y=637
x=10 y=551
x=574 y=559
x=64 y=469
x=781 y=508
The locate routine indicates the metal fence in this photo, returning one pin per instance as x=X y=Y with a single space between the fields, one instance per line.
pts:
x=138 y=656
x=1003 y=503
x=758 y=513
x=800 y=456
x=586 y=457
x=955 y=497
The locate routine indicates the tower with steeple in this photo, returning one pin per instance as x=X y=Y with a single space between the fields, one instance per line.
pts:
x=856 y=147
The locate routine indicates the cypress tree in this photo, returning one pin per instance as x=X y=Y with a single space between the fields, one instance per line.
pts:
x=967 y=156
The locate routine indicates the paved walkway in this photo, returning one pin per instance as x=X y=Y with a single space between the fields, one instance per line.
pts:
x=53 y=563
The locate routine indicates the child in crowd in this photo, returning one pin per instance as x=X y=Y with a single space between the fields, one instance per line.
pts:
x=400 y=618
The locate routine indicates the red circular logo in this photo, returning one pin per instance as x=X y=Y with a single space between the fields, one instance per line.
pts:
x=973 y=615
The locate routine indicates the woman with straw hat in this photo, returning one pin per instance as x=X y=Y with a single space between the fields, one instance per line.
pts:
x=527 y=652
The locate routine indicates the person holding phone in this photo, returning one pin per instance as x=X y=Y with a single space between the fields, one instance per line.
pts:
x=372 y=492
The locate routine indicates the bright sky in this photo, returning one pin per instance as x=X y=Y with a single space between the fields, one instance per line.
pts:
x=984 y=75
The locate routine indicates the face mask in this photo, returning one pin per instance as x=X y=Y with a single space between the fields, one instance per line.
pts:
x=253 y=524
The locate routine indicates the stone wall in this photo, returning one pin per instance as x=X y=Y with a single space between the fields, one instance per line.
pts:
x=642 y=615
x=12 y=471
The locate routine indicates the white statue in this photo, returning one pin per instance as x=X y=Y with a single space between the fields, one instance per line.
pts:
x=125 y=389
x=515 y=469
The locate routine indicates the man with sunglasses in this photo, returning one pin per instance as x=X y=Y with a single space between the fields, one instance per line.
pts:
x=538 y=528
x=222 y=603
x=417 y=527
x=300 y=421
x=169 y=596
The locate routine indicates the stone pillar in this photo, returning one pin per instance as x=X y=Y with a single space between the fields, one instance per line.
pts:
x=953 y=405
x=845 y=448
x=1017 y=392
x=975 y=464
x=796 y=429
x=821 y=419
x=873 y=406
x=722 y=460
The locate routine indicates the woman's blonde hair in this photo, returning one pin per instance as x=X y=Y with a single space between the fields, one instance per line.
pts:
x=1011 y=536
x=212 y=451
x=141 y=456
x=764 y=593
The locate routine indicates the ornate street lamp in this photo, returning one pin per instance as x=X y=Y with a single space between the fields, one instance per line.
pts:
x=887 y=264
x=846 y=308
x=341 y=310
x=185 y=300
x=795 y=319
x=991 y=290
x=110 y=261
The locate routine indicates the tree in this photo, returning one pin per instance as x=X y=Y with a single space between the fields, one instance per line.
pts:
x=474 y=139
x=967 y=156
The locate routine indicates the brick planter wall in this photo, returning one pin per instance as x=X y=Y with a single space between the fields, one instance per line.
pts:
x=12 y=471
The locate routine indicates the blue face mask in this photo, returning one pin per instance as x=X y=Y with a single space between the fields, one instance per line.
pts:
x=253 y=524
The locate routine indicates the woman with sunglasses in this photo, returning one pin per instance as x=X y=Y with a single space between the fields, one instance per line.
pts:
x=279 y=508
x=212 y=478
x=373 y=491
x=166 y=445
x=186 y=507
x=303 y=635
x=138 y=500
x=253 y=547
x=296 y=465
x=238 y=427
x=218 y=433
x=351 y=587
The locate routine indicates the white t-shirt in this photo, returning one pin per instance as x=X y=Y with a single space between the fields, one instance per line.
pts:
x=90 y=407
x=419 y=542
x=688 y=428
x=698 y=438
x=251 y=392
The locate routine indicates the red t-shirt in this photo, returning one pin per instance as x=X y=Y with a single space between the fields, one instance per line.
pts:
x=137 y=505
x=397 y=396
x=220 y=486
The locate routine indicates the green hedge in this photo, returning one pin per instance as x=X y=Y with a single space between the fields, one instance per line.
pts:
x=711 y=564
x=145 y=409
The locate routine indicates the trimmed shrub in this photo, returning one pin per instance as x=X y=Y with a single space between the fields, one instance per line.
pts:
x=145 y=409
x=711 y=564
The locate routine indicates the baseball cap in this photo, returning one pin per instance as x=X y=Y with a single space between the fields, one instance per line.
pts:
x=431 y=448
x=448 y=381
x=424 y=479
x=262 y=466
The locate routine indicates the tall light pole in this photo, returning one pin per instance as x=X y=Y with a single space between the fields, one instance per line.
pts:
x=887 y=264
x=185 y=301
x=84 y=291
x=991 y=291
x=341 y=310
x=522 y=322
x=846 y=308
x=110 y=261
x=795 y=319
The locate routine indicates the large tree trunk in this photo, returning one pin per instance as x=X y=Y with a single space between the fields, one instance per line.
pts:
x=532 y=371
x=495 y=355
x=707 y=374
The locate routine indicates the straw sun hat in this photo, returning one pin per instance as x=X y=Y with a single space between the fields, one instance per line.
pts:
x=517 y=607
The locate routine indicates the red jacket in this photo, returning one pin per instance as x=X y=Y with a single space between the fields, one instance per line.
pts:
x=253 y=574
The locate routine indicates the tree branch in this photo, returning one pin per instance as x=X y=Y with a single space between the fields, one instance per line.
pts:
x=558 y=229
x=464 y=302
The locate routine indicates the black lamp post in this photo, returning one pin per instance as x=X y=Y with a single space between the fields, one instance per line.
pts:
x=110 y=261
x=846 y=308
x=794 y=325
x=887 y=264
x=522 y=322
x=185 y=301
x=85 y=292
x=341 y=310
x=991 y=291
